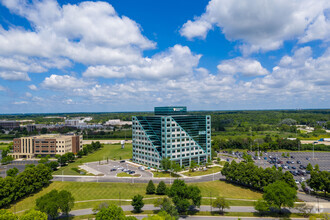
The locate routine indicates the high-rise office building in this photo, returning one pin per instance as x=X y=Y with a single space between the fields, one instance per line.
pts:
x=171 y=133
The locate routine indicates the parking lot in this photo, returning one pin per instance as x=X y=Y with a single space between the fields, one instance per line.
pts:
x=20 y=165
x=112 y=168
x=304 y=158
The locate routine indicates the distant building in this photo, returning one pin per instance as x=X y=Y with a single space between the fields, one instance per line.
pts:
x=117 y=122
x=77 y=122
x=49 y=144
x=171 y=133
x=9 y=124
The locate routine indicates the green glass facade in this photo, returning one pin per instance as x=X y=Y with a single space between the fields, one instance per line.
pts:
x=171 y=133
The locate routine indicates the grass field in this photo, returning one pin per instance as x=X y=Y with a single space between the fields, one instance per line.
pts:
x=123 y=174
x=227 y=190
x=111 y=151
x=164 y=174
x=83 y=191
x=3 y=146
x=201 y=173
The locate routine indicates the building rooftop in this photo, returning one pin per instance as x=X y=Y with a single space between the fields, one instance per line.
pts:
x=171 y=110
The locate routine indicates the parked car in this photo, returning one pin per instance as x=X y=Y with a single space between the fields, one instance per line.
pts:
x=131 y=172
x=292 y=157
x=298 y=162
x=125 y=170
x=122 y=161
x=141 y=168
x=307 y=158
x=113 y=169
x=293 y=167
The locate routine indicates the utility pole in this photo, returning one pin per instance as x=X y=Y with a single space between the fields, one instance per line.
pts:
x=119 y=200
x=211 y=201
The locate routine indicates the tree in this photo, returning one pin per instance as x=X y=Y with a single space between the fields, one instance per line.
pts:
x=162 y=215
x=320 y=181
x=166 y=205
x=175 y=167
x=317 y=167
x=7 y=215
x=112 y=212
x=247 y=158
x=12 y=172
x=43 y=131
x=280 y=194
x=193 y=164
x=137 y=203
x=181 y=195
x=165 y=163
x=195 y=195
x=34 y=215
x=48 y=203
x=80 y=154
x=151 y=188
x=54 y=201
x=261 y=206
x=52 y=165
x=70 y=156
x=220 y=203
x=161 y=188
x=66 y=201
x=309 y=167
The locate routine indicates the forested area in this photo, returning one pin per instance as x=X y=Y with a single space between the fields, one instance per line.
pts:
x=252 y=176
x=24 y=184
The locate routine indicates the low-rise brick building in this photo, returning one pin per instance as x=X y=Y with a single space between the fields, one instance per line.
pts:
x=49 y=144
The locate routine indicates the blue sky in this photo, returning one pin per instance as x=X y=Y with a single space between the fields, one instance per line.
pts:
x=127 y=55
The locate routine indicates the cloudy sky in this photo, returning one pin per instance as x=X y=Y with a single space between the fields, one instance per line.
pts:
x=128 y=55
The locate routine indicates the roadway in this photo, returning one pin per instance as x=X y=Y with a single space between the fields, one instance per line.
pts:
x=249 y=209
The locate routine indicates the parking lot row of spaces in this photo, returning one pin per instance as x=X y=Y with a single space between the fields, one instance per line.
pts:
x=112 y=168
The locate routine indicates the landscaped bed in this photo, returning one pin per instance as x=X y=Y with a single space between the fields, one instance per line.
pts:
x=210 y=170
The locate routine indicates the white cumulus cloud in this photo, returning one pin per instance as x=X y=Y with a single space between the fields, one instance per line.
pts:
x=246 y=67
x=91 y=33
x=261 y=25
x=65 y=82
x=33 y=87
x=176 y=62
x=14 y=76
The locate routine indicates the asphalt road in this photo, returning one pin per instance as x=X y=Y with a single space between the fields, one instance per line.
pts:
x=202 y=208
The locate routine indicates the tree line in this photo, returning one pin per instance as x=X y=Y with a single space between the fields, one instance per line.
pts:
x=264 y=144
x=252 y=176
x=29 y=181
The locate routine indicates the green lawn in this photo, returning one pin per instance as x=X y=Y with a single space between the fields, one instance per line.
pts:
x=164 y=174
x=111 y=151
x=201 y=173
x=3 y=146
x=123 y=174
x=83 y=191
x=227 y=190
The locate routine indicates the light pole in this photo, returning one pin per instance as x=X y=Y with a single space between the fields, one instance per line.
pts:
x=211 y=201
